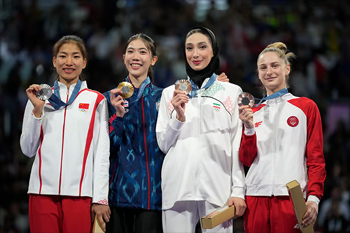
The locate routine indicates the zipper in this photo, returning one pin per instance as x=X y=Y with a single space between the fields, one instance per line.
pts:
x=146 y=153
x=199 y=94
x=64 y=125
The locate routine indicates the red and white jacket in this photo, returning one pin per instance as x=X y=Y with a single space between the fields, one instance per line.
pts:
x=286 y=145
x=70 y=145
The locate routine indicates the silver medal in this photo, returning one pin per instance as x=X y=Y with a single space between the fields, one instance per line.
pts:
x=45 y=93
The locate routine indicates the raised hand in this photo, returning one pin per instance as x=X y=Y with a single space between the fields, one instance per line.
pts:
x=118 y=102
x=179 y=102
x=37 y=103
x=246 y=116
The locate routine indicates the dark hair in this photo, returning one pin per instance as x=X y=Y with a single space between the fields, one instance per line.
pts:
x=150 y=45
x=199 y=30
x=71 y=39
x=198 y=76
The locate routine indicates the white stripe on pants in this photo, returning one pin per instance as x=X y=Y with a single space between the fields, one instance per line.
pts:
x=184 y=215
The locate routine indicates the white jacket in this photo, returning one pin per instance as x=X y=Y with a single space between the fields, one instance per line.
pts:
x=201 y=161
x=287 y=145
x=70 y=145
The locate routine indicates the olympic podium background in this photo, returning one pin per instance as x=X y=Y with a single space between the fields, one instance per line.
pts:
x=318 y=32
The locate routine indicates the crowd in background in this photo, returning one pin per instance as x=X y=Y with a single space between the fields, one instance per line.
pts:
x=318 y=32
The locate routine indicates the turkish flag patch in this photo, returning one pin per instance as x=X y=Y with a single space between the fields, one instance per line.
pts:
x=292 y=121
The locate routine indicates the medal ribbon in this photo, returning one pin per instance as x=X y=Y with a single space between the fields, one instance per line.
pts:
x=273 y=96
x=55 y=99
x=195 y=87
x=141 y=89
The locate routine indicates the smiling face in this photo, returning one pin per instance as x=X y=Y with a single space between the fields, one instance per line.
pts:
x=273 y=72
x=69 y=63
x=198 y=51
x=138 y=59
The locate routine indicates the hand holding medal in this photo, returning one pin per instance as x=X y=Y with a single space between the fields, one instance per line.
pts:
x=183 y=87
x=118 y=96
x=246 y=102
x=37 y=94
x=126 y=88
x=246 y=99
x=45 y=93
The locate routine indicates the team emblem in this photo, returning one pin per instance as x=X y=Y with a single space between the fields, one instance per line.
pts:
x=83 y=107
x=216 y=106
x=292 y=121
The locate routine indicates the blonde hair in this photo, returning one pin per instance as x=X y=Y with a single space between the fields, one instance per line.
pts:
x=281 y=50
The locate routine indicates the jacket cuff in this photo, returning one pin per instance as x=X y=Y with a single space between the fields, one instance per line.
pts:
x=176 y=124
x=101 y=202
x=249 y=132
x=238 y=192
x=314 y=199
x=38 y=119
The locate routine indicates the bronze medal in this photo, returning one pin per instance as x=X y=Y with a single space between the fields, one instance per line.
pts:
x=184 y=85
x=246 y=99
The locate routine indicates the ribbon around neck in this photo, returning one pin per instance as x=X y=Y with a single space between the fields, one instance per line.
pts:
x=195 y=87
x=55 y=99
x=141 y=88
x=273 y=96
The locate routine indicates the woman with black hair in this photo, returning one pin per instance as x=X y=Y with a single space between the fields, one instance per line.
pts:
x=68 y=136
x=134 y=192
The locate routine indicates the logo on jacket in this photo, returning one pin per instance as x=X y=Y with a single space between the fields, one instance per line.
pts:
x=216 y=107
x=83 y=107
x=257 y=124
x=293 y=121
x=126 y=104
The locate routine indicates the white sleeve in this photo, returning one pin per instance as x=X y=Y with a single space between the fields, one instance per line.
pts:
x=101 y=155
x=31 y=127
x=168 y=128
x=238 y=176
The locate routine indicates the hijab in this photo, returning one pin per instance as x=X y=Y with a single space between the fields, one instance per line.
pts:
x=199 y=76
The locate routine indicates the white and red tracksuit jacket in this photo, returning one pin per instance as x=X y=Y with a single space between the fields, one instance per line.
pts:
x=287 y=145
x=70 y=145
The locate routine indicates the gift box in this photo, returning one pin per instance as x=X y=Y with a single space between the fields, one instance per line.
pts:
x=297 y=199
x=96 y=227
x=218 y=216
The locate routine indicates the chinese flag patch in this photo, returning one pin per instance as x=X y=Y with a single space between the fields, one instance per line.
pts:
x=83 y=106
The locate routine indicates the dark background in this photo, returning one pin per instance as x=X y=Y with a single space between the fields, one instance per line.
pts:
x=317 y=31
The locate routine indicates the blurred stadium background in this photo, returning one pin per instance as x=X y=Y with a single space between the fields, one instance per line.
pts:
x=317 y=31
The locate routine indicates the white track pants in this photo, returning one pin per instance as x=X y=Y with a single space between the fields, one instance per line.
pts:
x=184 y=215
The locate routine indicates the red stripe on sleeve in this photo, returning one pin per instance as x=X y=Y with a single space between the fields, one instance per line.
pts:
x=314 y=147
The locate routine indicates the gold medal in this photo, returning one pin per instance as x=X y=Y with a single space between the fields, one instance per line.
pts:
x=246 y=99
x=126 y=88
x=184 y=85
